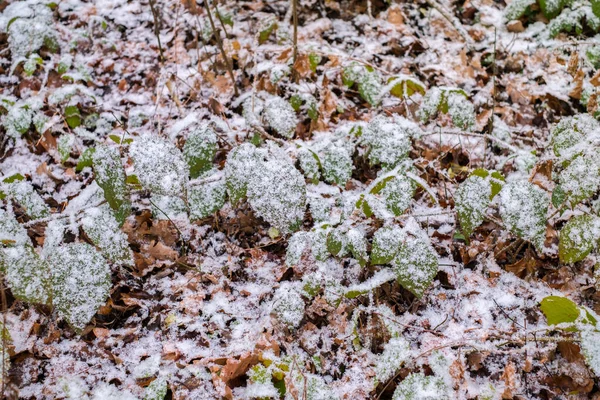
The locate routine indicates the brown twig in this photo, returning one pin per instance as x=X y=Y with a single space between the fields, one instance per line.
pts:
x=157 y=30
x=295 y=20
x=220 y=46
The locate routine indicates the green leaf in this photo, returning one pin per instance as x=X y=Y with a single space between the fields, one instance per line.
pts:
x=417 y=386
x=517 y=8
x=351 y=73
x=416 y=264
x=386 y=245
x=26 y=273
x=64 y=146
x=267 y=27
x=337 y=165
x=156 y=390
x=596 y=7
x=101 y=226
x=80 y=282
x=357 y=245
x=335 y=242
x=523 y=207
x=296 y=102
x=85 y=159
x=370 y=88
x=14 y=178
x=398 y=194
x=110 y=176
x=199 y=150
x=551 y=8
x=27 y=197
x=314 y=60
x=242 y=165
x=580 y=180
x=578 y=237
x=559 y=310
x=72 y=116
x=206 y=199
x=472 y=198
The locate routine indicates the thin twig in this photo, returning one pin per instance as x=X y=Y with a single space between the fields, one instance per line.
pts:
x=157 y=30
x=220 y=46
x=295 y=20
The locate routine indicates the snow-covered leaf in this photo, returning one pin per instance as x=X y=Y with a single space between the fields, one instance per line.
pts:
x=580 y=180
x=280 y=116
x=337 y=165
x=110 y=176
x=242 y=165
x=101 y=226
x=388 y=139
x=395 y=353
x=206 y=199
x=159 y=165
x=386 y=244
x=24 y=194
x=523 y=207
x=80 y=282
x=288 y=306
x=199 y=150
x=472 y=199
x=417 y=386
x=578 y=237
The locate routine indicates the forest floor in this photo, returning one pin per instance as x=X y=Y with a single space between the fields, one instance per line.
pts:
x=195 y=310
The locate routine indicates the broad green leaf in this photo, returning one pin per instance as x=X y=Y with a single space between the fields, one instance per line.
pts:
x=431 y=104
x=101 y=226
x=14 y=178
x=336 y=242
x=389 y=140
x=64 y=146
x=417 y=386
x=370 y=88
x=314 y=61
x=386 y=244
x=288 y=306
x=472 y=198
x=85 y=159
x=566 y=137
x=398 y=194
x=551 y=8
x=461 y=110
x=559 y=310
x=199 y=150
x=159 y=165
x=523 y=207
x=596 y=7
x=206 y=199
x=298 y=243
x=580 y=179
x=267 y=27
x=495 y=178
x=242 y=165
x=80 y=282
x=337 y=165
x=352 y=73
x=26 y=273
x=280 y=116
x=156 y=390
x=416 y=264
x=110 y=176
x=24 y=194
x=517 y=8
x=578 y=237
x=357 y=245
x=395 y=353
x=72 y=116
x=278 y=194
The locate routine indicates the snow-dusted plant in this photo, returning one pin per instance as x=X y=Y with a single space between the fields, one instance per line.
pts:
x=447 y=100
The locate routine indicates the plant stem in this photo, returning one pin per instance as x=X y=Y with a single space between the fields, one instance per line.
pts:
x=295 y=20
x=157 y=30
x=220 y=46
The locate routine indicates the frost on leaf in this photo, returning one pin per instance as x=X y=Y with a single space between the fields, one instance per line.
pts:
x=65 y=144
x=370 y=87
x=26 y=273
x=110 y=176
x=386 y=244
x=80 y=282
x=416 y=262
x=31 y=28
x=101 y=226
x=24 y=194
x=417 y=386
x=297 y=245
x=168 y=207
x=312 y=387
x=567 y=136
x=517 y=8
x=580 y=180
x=395 y=353
x=591 y=350
x=17 y=121
x=357 y=245
x=551 y=8
x=388 y=139
x=523 y=207
x=337 y=165
x=241 y=166
x=277 y=193
x=461 y=110
x=252 y=110
x=157 y=390
x=261 y=385
x=310 y=163
x=472 y=199
x=280 y=116
x=159 y=165
x=199 y=150
x=206 y=199
x=288 y=306
x=578 y=237
x=398 y=194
